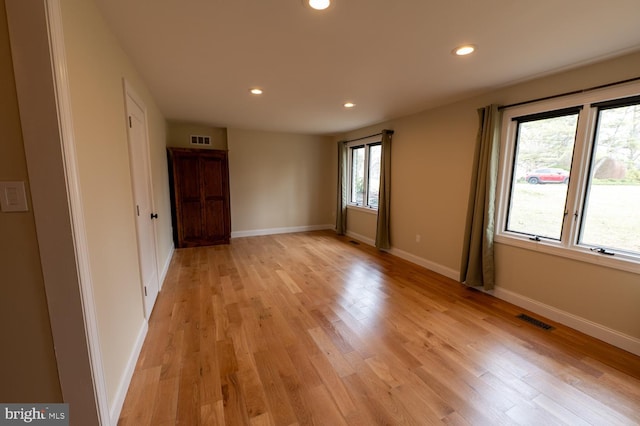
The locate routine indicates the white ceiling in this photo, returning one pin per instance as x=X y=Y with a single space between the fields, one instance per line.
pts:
x=390 y=57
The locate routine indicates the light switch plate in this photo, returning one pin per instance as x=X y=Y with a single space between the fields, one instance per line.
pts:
x=13 y=197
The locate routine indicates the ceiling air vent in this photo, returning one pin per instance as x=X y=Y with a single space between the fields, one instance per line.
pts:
x=200 y=140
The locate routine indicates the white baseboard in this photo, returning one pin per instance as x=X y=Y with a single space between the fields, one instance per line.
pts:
x=273 y=231
x=116 y=406
x=123 y=387
x=361 y=238
x=435 y=267
x=165 y=267
x=599 y=331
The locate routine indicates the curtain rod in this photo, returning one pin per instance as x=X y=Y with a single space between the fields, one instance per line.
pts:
x=369 y=136
x=575 y=92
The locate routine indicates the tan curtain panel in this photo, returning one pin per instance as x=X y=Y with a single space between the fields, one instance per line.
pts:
x=383 y=231
x=477 y=267
x=341 y=214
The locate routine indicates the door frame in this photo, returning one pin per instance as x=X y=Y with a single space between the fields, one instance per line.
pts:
x=40 y=68
x=130 y=93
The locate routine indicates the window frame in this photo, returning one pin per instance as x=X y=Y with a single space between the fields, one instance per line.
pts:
x=568 y=245
x=367 y=143
x=517 y=122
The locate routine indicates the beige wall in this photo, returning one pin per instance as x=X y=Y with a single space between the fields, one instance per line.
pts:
x=280 y=180
x=602 y=295
x=431 y=157
x=96 y=67
x=362 y=224
x=179 y=135
x=28 y=370
x=432 y=154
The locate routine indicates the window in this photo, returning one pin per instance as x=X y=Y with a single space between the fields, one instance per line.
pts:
x=611 y=216
x=570 y=176
x=538 y=209
x=364 y=173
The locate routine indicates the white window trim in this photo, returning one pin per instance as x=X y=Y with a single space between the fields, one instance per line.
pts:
x=567 y=246
x=372 y=140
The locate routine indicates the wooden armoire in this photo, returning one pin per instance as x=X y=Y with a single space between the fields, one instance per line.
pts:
x=199 y=181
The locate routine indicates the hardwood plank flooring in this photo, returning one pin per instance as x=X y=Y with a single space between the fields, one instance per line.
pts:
x=308 y=328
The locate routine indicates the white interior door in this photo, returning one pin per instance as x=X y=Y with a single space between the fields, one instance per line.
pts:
x=144 y=214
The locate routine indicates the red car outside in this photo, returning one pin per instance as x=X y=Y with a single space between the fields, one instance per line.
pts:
x=547 y=175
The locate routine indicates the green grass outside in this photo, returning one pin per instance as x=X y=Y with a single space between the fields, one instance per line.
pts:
x=613 y=217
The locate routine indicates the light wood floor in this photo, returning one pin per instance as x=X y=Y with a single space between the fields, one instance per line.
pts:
x=312 y=329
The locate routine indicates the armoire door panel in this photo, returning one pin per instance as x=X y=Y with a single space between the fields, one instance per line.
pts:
x=188 y=170
x=214 y=223
x=212 y=173
x=191 y=223
x=200 y=196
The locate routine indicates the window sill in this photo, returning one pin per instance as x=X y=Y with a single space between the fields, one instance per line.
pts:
x=362 y=209
x=577 y=253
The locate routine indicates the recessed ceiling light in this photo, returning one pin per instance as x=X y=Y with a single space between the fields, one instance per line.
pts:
x=256 y=91
x=467 y=49
x=319 y=4
x=349 y=104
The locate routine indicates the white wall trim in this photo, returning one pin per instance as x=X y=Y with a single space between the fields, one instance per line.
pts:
x=361 y=238
x=63 y=95
x=435 y=267
x=165 y=267
x=123 y=386
x=599 y=331
x=432 y=266
x=38 y=50
x=273 y=231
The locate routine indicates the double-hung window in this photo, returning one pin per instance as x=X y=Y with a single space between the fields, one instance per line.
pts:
x=364 y=173
x=570 y=177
